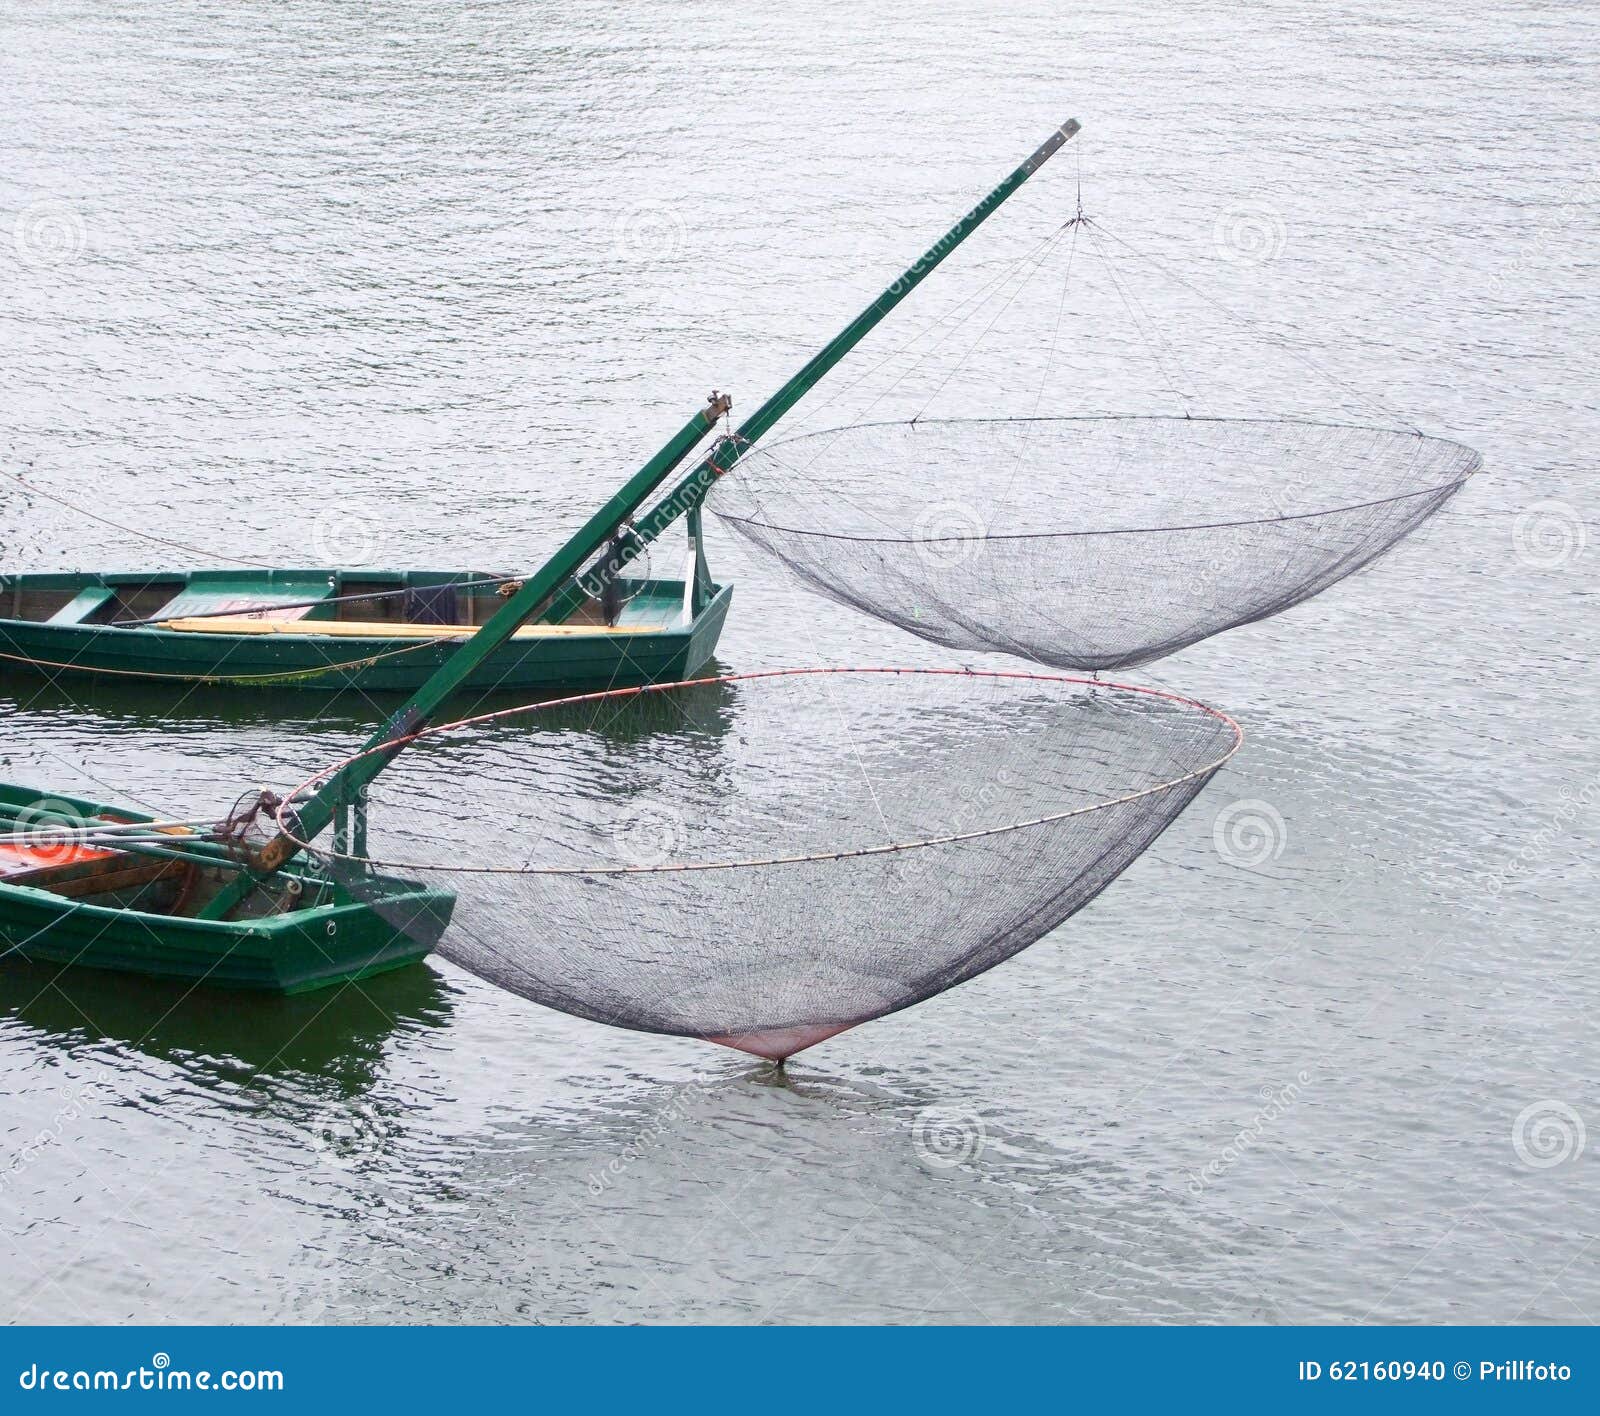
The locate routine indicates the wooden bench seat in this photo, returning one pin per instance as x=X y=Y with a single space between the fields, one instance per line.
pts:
x=388 y=629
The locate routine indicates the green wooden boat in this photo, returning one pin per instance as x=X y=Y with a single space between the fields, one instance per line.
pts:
x=204 y=903
x=138 y=909
x=331 y=630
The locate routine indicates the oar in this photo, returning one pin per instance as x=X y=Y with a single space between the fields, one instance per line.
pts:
x=165 y=838
x=75 y=826
x=193 y=850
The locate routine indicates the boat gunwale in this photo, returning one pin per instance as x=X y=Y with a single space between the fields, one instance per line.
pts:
x=263 y=926
x=147 y=633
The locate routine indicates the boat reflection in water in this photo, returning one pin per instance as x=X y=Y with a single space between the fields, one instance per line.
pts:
x=148 y=707
x=222 y=1039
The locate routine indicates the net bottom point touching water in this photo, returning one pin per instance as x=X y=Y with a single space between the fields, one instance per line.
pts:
x=766 y=860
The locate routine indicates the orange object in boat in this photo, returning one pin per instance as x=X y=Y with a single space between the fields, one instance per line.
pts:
x=17 y=856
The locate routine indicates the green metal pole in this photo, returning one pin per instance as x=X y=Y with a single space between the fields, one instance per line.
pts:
x=345 y=785
x=319 y=810
x=692 y=490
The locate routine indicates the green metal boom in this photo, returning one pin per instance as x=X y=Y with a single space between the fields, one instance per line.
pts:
x=693 y=489
x=346 y=785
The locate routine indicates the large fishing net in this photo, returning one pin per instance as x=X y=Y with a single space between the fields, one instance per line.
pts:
x=1085 y=543
x=766 y=860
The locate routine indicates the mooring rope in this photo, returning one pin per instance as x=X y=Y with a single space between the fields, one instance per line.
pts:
x=284 y=676
x=22 y=481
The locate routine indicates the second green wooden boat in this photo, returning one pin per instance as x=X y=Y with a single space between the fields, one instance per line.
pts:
x=329 y=630
x=67 y=899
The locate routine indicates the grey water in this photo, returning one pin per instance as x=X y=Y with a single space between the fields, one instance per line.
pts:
x=416 y=284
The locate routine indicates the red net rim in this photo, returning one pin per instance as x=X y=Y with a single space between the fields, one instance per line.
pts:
x=613 y=695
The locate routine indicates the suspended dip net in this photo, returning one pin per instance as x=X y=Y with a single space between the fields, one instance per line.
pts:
x=766 y=860
x=1085 y=543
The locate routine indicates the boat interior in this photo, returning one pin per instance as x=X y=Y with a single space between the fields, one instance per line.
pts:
x=342 y=604
x=134 y=880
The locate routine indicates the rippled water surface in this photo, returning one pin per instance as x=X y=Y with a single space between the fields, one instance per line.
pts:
x=416 y=284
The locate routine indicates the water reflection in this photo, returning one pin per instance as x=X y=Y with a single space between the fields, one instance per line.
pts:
x=224 y=1039
x=734 y=1196
x=156 y=707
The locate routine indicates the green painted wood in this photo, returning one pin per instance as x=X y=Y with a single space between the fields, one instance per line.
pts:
x=244 y=592
x=318 y=811
x=397 y=922
x=84 y=603
x=300 y=663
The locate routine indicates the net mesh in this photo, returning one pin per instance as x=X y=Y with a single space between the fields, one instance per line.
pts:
x=767 y=860
x=1085 y=543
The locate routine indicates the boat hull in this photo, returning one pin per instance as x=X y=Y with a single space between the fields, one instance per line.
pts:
x=331 y=664
x=261 y=956
x=394 y=923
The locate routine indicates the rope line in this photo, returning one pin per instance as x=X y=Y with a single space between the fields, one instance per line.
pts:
x=311 y=783
x=1259 y=329
x=1153 y=338
x=287 y=674
x=22 y=481
x=1022 y=284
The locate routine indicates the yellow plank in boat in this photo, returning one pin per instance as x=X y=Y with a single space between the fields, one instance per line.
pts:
x=380 y=629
